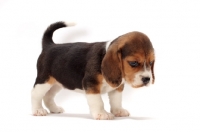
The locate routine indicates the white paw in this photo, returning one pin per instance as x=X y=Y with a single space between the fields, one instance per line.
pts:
x=120 y=112
x=57 y=109
x=103 y=115
x=40 y=112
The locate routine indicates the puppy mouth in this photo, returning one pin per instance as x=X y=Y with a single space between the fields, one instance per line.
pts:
x=138 y=86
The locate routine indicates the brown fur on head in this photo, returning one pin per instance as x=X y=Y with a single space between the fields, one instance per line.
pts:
x=129 y=57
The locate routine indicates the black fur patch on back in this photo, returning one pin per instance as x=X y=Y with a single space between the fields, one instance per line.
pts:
x=69 y=63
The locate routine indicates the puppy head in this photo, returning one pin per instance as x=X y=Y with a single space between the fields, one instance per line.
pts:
x=131 y=57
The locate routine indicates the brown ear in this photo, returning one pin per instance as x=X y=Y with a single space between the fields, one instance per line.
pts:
x=111 y=66
x=152 y=72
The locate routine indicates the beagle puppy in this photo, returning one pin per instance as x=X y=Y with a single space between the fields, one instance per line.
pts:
x=94 y=68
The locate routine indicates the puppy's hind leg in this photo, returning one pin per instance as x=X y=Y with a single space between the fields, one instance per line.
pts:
x=49 y=100
x=37 y=95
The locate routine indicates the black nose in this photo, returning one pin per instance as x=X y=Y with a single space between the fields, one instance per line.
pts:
x=145 y=80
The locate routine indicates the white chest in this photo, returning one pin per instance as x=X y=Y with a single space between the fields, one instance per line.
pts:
x=105 y=88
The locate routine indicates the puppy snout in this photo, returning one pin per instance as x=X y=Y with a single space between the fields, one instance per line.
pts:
x=145 y=80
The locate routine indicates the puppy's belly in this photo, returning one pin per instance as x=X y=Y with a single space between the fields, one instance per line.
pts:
x=104 y=89
x=79 y=91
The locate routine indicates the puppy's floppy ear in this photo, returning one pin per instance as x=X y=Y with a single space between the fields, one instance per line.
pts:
x=152 y=72
x=111 y=66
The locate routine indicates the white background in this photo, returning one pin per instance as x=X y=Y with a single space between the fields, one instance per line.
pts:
x=172 y=104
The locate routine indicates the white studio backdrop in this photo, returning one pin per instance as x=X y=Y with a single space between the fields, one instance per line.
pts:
x=172 y=26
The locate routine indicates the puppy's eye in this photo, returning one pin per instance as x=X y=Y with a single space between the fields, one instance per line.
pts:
x=133 y=63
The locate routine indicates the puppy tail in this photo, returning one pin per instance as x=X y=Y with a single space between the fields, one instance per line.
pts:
x=48 y=34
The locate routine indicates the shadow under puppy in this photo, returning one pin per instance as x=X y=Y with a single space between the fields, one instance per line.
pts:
x=94 y=68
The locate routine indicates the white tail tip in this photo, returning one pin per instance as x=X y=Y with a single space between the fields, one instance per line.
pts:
x=70 y=24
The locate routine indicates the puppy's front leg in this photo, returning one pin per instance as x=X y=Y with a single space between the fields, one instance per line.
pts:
x=97 y=107
x=115 y=97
